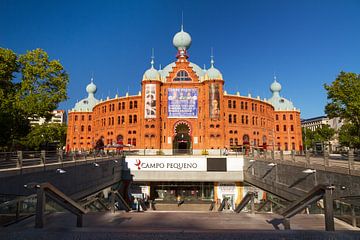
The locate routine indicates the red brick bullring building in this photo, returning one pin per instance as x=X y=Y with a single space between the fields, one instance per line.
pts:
x=184 y=109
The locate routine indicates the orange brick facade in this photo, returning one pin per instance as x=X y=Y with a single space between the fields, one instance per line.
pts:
x=242 y=121
x=184 y=107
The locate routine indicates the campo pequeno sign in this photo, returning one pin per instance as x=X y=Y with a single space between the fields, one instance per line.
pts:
x=137 y=163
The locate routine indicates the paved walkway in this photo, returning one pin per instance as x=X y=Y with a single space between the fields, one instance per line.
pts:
x=178 y=225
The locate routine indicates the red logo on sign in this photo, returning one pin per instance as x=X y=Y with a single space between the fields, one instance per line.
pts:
x=138 y=163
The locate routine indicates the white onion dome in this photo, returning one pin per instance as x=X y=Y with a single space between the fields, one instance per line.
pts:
x=87 y=104
x=275 y=86
x=182 y=40
x=151 y=73
x=91 y=87
x=213 y=73
x=279 y=103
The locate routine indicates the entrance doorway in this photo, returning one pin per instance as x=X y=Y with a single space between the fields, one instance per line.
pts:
x=182 y=139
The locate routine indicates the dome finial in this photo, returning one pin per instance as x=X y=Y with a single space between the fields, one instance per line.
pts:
x=152 y=58
x=274 y=76
x=92 y=77
x=212 y=57
x=182 y=21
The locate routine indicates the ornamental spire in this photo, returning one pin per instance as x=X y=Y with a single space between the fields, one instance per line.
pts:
x=152 y=58
x=182 y=21
x=212 y=57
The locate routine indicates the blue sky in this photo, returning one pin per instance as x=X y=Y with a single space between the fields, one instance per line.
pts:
x=307 y=43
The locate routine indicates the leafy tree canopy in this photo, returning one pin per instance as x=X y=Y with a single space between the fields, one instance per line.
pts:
x=31 y=86
x=322 y=134
x=344 y=96
x=348 y=136
x=44 y=134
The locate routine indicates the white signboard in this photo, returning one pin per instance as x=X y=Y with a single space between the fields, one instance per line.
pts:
x=166 y=164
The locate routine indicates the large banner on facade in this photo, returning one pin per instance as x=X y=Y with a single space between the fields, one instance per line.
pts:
x=182 y=103
x=150 y=101
x=214 y=101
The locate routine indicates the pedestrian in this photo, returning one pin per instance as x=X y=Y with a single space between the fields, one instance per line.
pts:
x=226 y=152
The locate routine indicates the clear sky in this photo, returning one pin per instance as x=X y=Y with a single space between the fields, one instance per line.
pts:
x=306 y=43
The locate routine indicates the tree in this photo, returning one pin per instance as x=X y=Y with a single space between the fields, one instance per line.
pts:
x=31 y=86
x=308 y=138
x=324 y=133
x=344 y=96
x=46 y=134
x=348 y=136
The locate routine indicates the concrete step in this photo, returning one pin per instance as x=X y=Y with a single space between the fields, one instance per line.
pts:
x=183 y=207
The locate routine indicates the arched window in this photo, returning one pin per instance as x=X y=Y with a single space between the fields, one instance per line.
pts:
x=291 y=117
x=230 y=118
x=120 y=139
x=135 y=118
x=89 y=128
x=135 y=104
x=182 y=75
x=231 y=141
x=82 y=128
x=131 y=105
x=130 y=119
x=246 y=139
x=236 y=141
x=134 y=141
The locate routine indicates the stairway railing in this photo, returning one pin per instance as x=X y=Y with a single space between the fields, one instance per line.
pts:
x=45 y=190
x=317 y=193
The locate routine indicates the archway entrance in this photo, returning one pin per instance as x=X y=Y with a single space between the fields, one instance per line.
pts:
x=182 y=139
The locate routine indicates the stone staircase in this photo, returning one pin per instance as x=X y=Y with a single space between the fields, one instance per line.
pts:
x=204 y=207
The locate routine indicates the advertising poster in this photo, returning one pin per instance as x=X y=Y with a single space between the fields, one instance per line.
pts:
x=182 y=103
x=150 y=101
x=214 y=101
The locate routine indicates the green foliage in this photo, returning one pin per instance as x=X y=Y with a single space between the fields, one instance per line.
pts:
x=321 y=134
x=204 y=152
x=31 y=86
x=344 y=96
x=348 y=136
x=308 y=138
x=44 y=134
x=324 y=133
